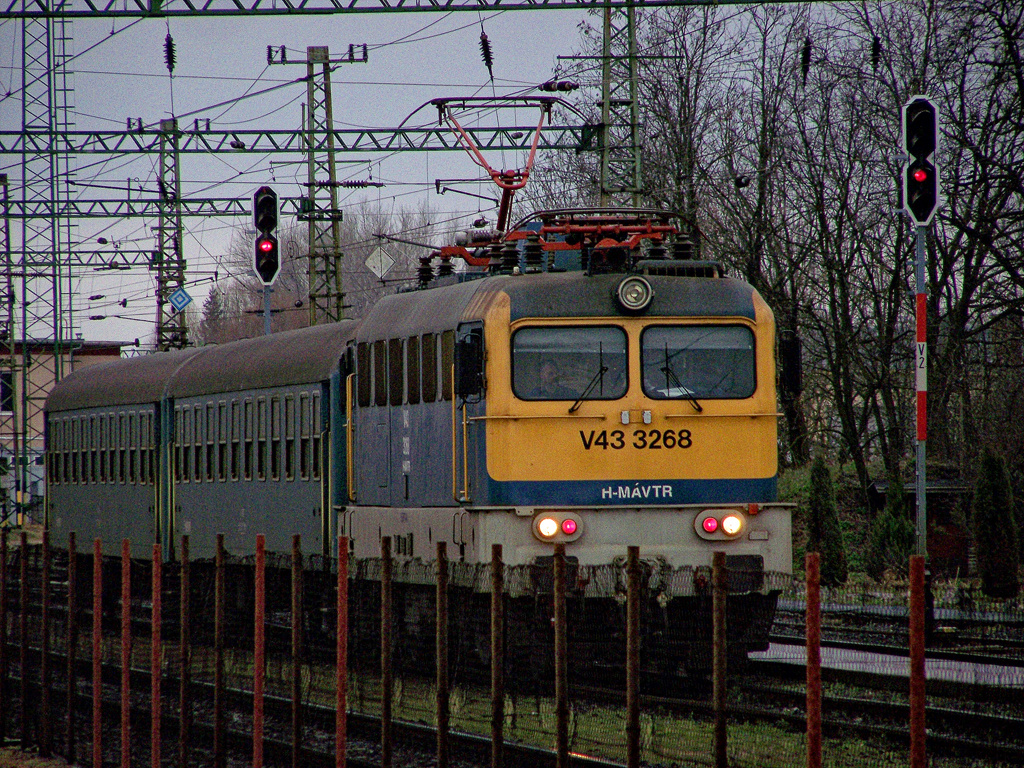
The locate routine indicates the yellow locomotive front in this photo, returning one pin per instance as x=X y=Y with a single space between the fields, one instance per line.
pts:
x=605 y=425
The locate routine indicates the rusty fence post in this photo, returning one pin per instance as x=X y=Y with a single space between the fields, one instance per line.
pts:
x=386 y=671
x=441 y=653
x=155 y=655
x=219 y=743
x=812 y=566
x=45 y=713
x=185 y=654
x=296 y=649
x=918 y=753
x=259 y=650
x=497 y=657
x=633 y=657
x=561 y=650
x=341 y=659
x=126 y=652
x=718 y=672
x=97 y=652
x=71 y=641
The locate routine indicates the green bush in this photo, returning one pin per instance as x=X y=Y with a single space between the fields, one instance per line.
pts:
x=824 y=534
x=891 y=541
x=995 y=531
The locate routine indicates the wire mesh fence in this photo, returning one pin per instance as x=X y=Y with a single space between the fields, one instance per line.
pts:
x=974 y=662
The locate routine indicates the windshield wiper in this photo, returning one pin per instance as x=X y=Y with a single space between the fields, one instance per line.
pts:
x=599 y=376
x=669 y=373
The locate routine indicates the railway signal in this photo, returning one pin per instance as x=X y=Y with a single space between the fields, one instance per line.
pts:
x=266 y=259
x=920 y=173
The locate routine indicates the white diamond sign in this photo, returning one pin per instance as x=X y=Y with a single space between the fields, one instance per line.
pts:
x=180 y=299
x=380 y=262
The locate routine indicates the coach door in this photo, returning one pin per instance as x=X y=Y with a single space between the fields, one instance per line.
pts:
x=372 y=460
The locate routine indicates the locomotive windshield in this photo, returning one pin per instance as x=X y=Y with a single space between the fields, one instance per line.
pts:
x=691 y=361
x=569 y=363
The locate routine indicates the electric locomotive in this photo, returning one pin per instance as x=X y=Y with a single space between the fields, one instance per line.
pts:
x=583 y=381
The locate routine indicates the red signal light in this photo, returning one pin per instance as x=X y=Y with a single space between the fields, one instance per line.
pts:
x=568 y=526
x=266 y=245
x=920 y=175
x=710 y=524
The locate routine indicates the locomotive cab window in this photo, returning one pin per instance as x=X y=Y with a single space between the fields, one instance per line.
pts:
x=697 y=361
x=569 y=363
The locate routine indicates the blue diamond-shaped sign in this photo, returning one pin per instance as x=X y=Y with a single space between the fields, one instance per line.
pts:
x=180 y=299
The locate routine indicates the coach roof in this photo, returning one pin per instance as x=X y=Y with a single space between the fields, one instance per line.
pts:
x=301 y=356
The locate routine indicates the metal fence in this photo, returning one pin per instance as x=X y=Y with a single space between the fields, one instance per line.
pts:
x=237 y=661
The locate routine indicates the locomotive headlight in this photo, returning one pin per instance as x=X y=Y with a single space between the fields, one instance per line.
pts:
x=633 y=294
x=547 y=527
x=551 y=526
x=719 y=524
x=731 y=525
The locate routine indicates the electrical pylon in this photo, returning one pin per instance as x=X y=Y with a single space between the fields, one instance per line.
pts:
x=168 y=259
x=620 y=115
x=46 y=174
x=320 y=207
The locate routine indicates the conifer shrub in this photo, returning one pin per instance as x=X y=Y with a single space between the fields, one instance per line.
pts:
x=824 y=534
x=995 y=530
x=891 y=541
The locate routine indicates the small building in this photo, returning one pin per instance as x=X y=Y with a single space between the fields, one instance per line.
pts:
x=23 y=393
x=948 y=502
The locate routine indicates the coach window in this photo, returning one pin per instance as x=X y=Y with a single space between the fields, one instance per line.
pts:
x=396 y=379
x=363 y=374
x=412 y=369
x=197 y=443
x=222 y=440
x=447 y=361
x=289 y=437
x=143 y=445
x=53 y=453
x=76 y=436
x=247 y=426
x=210 y=442
x=697 y=361
x=122 y=446
x=178 y=434
x=146 y=439
x=186 y=444
x=262 y=426
x=69 y=456
x=93 y=444
x=99 y=449
x=304 y=431
x=102 y=468
x=235 y=449
x=316 y=429
x=275 y=438
x=569 y=363
x=428 y=355
x=380 y=374
x=108 y=447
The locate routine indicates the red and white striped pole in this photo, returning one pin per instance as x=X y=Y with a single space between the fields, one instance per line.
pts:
x=921 y=378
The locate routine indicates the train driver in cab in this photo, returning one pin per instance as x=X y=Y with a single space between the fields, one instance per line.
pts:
x=549 y=382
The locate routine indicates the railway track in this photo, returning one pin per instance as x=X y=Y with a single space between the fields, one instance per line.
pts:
x=763 y=694
x=415 y=743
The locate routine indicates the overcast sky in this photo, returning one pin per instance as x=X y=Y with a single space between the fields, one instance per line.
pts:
x=120 y=73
